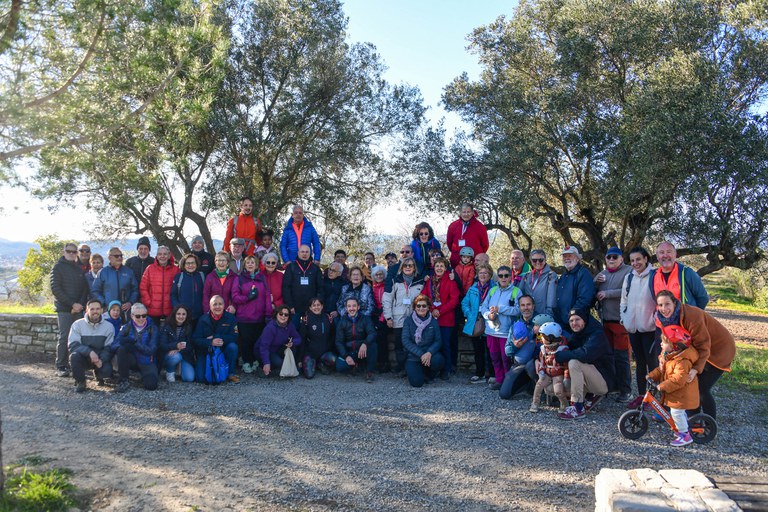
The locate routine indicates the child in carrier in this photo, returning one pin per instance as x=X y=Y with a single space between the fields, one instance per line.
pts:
x=549 y=370
x=675 y=362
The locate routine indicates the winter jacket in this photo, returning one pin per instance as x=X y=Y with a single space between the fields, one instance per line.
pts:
x=332 y=293
x=296 y=294
x=273 y=337
x=470 y=305
x=289 y=245
x=378 y=302
x=213 y=286
x=206 y=261
x=237 y=267
x=637 y=306
x=350 y=334
x=362 y=293
x=187 y=289
x=251 y=298
x=117 y=324
x=711 y=340
x=431 y=340
x=85 y=336
x=547 y=362
x=143 y=344
x=475 y=236
x=506 y=300
x=525 y=353
x=248 y=227
x=315 y=333
x=448 y=293
x=68 y=285
x=672 y=376
x=421 y=254
x=542 y=286
x=90 y=279
x=116 y=284
x=517 y=277
x=170 y=337
x=275 y=285
x=207 y=328
x=591 y=346
x=465 y=274
x=398 y=303
x=139 y=266
x=575 y=290
x=609 y=307
x=692 y=289
x=155 y=288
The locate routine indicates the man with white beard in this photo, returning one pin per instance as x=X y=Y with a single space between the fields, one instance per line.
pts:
x=575 y=288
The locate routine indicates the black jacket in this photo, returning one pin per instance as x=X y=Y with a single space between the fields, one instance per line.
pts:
x=297 y=295
x=139 y=266
x=316 y=335
x=350 y=335
x=591 y=346
x=68 y=285
x=332 y=292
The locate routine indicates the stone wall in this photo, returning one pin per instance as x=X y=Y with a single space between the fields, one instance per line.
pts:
x=28 y=333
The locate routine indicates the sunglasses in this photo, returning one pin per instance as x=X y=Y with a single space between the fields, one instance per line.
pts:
x=612 y=257
x=504 y=276
x=405 y=252
x=422 y=306
x=115 y=255
x=282 y=314
x=409 y=265
x=83 y=250
x=70 y=251
x=537 y=260
x=425 y=233
x=270 y=263
x=140 y=316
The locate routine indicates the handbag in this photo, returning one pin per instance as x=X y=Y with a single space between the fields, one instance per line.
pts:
x=289 y=365
x=479 y=326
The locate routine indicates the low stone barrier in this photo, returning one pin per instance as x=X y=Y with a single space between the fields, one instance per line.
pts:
x=28 y=333
x=646 y=490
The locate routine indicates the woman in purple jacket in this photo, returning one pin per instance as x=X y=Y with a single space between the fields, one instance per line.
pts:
x=279 y=335
x=251 y=298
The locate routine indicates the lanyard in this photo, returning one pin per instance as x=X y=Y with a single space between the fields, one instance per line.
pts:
x=304 y=270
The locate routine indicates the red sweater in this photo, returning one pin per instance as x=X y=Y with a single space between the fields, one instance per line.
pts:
x=475 y=236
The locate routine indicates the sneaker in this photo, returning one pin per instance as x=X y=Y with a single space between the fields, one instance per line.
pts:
x=477 y=380
x=233 y=378
x=62 y=372
x=369 y=377
x=170 y=376
x=122 y=386
x=310 y=366
x=491 y=380
x=534 y=407
x=623 y=398
x=563 y=406
x=572 y=413
x=635 y=403
x=80 y=386
x=247 y=368
x=682 y=439
x=591 y=403
x=494 y=386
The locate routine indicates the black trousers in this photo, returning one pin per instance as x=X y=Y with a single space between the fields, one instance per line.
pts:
x=126 y=361
x=80 y=364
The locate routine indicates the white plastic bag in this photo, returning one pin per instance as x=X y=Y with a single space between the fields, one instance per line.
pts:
x=289 y=365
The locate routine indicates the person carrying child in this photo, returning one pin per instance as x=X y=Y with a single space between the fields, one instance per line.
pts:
x=675 y=362
x=550 y=372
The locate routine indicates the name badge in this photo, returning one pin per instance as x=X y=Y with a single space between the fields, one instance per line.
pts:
x=304 y=281
x=406 y=301
x=462 y=243
x=437 y=304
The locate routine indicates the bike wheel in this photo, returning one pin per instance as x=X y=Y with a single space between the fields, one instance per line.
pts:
x=633 y=424
x=702 y=427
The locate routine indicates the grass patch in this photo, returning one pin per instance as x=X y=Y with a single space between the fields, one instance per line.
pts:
x=749 y=370
x=30 y=490
x=724 y=288
x=19 y=309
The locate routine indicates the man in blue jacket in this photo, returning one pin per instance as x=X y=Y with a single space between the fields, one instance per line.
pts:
x=575 y=288
x=116 y=282
x=299 y=231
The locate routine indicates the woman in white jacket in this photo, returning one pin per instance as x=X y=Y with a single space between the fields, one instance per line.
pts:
x=638 y=308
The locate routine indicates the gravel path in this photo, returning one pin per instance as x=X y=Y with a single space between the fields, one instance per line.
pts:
x=749 y=328
x=336 y=443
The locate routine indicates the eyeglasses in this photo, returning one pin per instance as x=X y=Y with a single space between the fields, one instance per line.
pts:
x=70 y=251
x=83 y=250
x=424 y=233
x=537 y=260
x=333 y=270
x=282 y=314
x=270 y=263
x=115 y=255
x=190 y=262
x=612 y=257
x=409 y=265
x=422 y=306
x=435 y=256
x=140 y=316
x=504 y=276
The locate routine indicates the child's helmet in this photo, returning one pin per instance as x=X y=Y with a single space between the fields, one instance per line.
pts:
x=542 y=318
x=551 y=333
x=467 y=251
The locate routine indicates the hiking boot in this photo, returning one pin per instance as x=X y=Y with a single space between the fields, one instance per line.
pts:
x=62 y=372
x=623 y=398
x=477 y=380
x=572 y=413
x=80 y=386
x=122 y=386
x=681 y=439
x=233 y=378
x=591 y=403
x=534 y=407
x=369 y=377
x=170 y=376
x=247 y=368
x=494 y=386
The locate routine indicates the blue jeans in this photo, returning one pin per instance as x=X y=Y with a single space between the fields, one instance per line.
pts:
x=230 y=354
x=418 y=373
x=371 y=357
x=187 y=370
x=514 y=381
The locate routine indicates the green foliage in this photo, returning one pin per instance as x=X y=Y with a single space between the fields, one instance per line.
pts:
x=749 y=369
x=23 y=309
x=617 y=123
x=33 y=491
x=34 y=276
x=728 y=288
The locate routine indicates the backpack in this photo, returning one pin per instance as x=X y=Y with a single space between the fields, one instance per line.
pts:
x=216 y=367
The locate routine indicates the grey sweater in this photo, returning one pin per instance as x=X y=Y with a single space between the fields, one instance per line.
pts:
x=609 y=307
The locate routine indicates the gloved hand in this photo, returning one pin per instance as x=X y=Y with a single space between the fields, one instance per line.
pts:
x=253 y=293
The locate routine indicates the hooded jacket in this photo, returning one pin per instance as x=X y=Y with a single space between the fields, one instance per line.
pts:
x=143 y=344
x=475 y=236
x=591 y=346
x=637 y=307
x=155 y=287
x=672 y=376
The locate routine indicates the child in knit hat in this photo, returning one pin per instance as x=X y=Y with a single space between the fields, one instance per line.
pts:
x=675 y=362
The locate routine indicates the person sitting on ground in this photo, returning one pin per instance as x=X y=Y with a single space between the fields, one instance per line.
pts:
x=216 y=329
x=356 y=340
x=422 y=340
x=250 y=294
x=590 y=365
x=549 y=371
x=679 y=394
x=220 y=282
x=360 y=290
x=176 y=345
x=316 y=349
x=398 y=305
x=520 y=349
x=188 y=287
x=90 y=341
x=278 y=336
x=138 y=341
x=96 y=264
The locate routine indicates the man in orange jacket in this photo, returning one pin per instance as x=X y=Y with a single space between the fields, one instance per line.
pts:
x=245 y=226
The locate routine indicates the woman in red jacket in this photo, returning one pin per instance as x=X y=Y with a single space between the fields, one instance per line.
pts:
x=156 y=284
x=274 y=278
x=444 y=293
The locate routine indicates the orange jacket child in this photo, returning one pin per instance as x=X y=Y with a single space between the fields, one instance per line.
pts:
x=672 y=375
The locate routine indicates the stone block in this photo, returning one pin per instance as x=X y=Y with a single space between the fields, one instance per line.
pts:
x=608 y=483
x=40 y=328
x=7 y=347
x=646 y=478
x=685 y=500
x=36 y=319
x=20 y=339
x=48 y=336
x=717 y=500
x=686 y=479
x=50 y=348
x=639 y=501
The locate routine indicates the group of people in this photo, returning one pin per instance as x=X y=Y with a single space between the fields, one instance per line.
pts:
x=531 y=329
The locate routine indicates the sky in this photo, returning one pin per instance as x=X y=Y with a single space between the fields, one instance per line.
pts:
x=422 y=42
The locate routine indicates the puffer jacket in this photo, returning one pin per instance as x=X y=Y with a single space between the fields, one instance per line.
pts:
x=431 y=340
x=575 y=290
x=378 y=302
x=289 y=245
x=214 y=286
x=638 y=309
x=672 y=376
x=155 y=287
x=506 y=300
x=207 y=328
x=116 y=284
x=251 y=309
x=351 y=333
x=466 y=275
x=398 y=303
x=362 y=293
x=542 y=286
x=421 y=254
x=591 y=346
x=475 y=236
x=273 y=337
x=448 y=292
x=187 y=289
x=68 y=285
x=143 y=344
